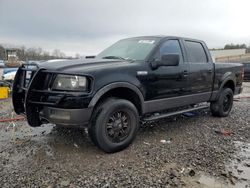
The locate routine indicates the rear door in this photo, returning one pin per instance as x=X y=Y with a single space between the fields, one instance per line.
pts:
x=201 y=69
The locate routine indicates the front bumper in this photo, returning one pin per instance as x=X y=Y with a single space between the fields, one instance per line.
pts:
x=66 y=117
x=40 y=104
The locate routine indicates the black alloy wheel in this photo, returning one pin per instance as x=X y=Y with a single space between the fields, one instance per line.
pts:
x=118 y=126
x=114 y=124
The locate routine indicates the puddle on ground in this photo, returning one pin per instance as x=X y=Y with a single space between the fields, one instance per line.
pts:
x=206 y=181
x=237 y=172
x=16 y=131
x=46 y=142
x=239 y=168
x=211 y=182
x=203 y=180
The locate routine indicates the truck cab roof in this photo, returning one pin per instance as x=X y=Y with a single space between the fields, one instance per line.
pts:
x=160 y=37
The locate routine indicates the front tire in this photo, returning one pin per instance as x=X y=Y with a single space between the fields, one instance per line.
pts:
x=224 y=104
x=114 y=125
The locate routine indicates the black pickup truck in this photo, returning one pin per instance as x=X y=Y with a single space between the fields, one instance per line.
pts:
x=141 y=78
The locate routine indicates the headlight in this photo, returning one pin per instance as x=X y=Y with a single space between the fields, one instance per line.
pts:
x=70 y=82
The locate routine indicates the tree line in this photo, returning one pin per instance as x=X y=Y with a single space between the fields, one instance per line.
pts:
x=237 y=46
x=25 y=54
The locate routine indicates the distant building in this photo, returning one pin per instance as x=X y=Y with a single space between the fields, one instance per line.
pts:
x=227 y=55
x=12 y=58
x=11 y=53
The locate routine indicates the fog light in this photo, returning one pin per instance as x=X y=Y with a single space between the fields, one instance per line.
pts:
x=59 y=114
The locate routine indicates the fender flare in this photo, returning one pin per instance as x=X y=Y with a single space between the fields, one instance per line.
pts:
x=229 y=77
x=111 y=86
x=226 y=78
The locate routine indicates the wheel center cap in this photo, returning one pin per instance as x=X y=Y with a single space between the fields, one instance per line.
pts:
x=118 y=124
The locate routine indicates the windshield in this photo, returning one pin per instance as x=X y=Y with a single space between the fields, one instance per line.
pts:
x=130 y=49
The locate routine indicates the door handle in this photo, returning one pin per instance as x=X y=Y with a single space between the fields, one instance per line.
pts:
x=210 y=70
x=185 y=73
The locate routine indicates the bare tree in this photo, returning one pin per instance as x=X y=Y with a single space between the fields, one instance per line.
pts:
x=2 y=53
x=33 y=53
x=21 y=53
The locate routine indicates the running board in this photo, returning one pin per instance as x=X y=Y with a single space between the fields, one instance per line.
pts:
x=152 y=118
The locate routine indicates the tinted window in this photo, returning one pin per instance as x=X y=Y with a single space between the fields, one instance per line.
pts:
x=169 y=47
x=195 y=52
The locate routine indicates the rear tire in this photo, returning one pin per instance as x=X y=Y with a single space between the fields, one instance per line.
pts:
x=114 y=125
x=224 y=104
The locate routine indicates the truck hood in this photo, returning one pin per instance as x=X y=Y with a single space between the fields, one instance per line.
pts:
x=81 y=64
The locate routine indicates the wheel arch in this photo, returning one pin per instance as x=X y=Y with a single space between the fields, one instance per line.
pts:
x=228 y=82
x=122 y=90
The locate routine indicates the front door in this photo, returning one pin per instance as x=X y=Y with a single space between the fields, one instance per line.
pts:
x=168 y=81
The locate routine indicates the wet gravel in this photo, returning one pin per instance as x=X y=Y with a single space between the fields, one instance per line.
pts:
x=169 y=153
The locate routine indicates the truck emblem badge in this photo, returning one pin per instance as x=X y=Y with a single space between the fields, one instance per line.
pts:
x=141 y=73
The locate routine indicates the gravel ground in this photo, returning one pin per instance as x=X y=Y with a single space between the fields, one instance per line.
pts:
x=176 y=152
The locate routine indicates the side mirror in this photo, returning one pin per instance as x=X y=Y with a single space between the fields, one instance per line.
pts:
x=166 y=60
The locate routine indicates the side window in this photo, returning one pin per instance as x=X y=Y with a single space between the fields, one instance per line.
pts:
x=195 y=52
x=169 y=47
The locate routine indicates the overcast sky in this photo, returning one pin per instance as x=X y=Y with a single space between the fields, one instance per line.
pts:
x=88 y=26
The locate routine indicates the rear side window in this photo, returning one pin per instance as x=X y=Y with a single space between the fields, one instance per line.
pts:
x=195 y=52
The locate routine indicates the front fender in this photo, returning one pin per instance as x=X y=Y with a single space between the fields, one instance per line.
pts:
x=114 y=85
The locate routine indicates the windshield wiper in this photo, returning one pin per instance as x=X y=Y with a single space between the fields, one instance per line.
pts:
x=113 y=57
